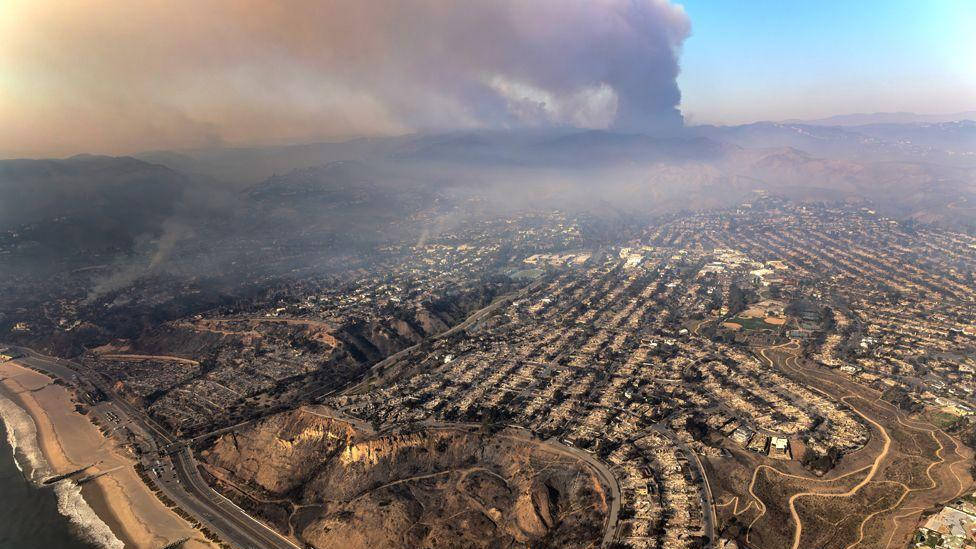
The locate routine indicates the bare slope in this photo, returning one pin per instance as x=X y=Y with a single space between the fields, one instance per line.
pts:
x=329 y=483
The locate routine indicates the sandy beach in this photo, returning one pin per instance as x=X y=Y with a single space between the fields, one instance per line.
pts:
x=69 y=441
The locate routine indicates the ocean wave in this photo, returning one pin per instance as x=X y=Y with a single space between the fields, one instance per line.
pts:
x=72 y=505
x=11 y=439
x=22 y=436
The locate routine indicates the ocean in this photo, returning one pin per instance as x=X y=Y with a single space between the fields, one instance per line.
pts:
x=33 y=516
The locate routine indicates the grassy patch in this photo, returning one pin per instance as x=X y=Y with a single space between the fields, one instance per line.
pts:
x=931 y=539
x=943 y=419
x=527 y=274
x=751 y=323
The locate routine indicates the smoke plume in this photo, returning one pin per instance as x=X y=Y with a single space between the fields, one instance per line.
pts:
x=161 y=74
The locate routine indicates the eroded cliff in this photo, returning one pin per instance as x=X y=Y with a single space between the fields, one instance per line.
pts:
x=331 y=485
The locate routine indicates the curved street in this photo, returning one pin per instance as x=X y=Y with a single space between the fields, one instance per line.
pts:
x=185 y=486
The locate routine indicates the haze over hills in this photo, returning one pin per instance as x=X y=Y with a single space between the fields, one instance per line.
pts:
x=209 y=196
x=863 y=119
x=940 y=139
x=83 y=187
x=218 y=218
x=946 y=143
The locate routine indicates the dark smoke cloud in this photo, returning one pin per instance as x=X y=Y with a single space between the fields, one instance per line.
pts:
x=125 y=76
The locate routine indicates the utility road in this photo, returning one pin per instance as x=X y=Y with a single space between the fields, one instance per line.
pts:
x=184 y=486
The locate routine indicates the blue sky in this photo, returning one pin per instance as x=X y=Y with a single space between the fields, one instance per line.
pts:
x=753 y=60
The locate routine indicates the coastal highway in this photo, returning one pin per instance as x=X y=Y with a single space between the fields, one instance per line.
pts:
x=184 y=486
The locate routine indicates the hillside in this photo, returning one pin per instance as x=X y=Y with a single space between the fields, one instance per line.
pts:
x=333 y=485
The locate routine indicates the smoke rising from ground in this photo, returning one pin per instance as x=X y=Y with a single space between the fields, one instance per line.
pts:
x=150 y=75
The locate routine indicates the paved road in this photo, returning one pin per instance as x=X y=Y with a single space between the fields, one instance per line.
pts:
x=491 y=308
x=183 y=485
x=467 y=323
x=608 y=479
x=181 y=480
x=708 y=503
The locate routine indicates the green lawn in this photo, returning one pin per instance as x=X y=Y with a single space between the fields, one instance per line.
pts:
x=943 y=419
x=527 y=274
x=750 y=323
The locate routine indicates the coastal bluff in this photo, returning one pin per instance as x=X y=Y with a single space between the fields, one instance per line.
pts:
x=330 y=485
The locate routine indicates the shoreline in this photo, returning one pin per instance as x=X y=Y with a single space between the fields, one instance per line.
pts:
x=117 y=510
x=33 y=463
x=100 y=503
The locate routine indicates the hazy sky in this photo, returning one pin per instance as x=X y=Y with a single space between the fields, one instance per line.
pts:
x=751 y=60
x=121 y=76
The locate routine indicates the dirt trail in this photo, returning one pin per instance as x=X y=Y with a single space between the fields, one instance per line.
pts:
x=851 y=397
x=871 y=474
